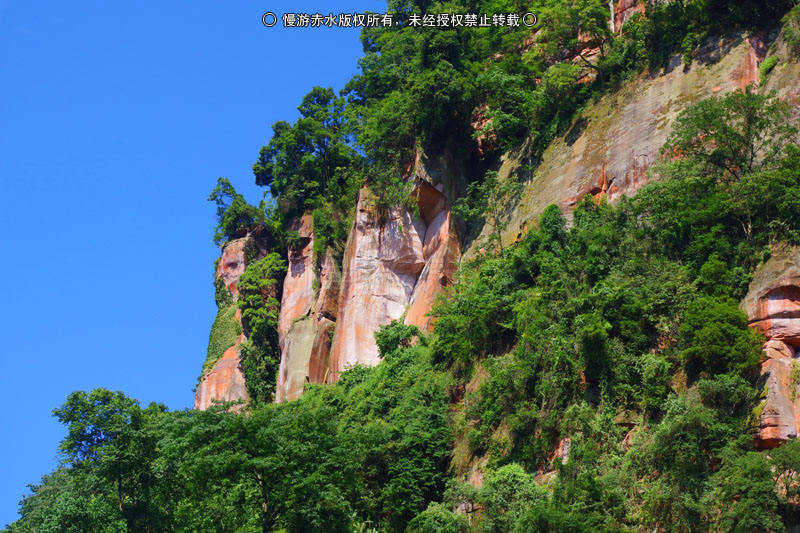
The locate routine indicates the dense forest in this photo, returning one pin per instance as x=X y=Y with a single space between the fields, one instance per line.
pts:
x=614 y=330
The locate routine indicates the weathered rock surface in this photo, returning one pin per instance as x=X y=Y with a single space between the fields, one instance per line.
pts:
x=298 y=289
x=306 y=320
x=379 y=272
x=440 y=249
x=225 y=381
x=232 y=263
x=392 y=267
x=624 y=9
x=773 y=302
x=486 y=143
x=608 y=151
x=773 y=306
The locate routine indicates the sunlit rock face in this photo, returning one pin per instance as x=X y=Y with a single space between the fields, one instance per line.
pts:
x=225 y=381
x=298 y=290
x=773 y=306
x=394 y=265
x=307 y=316
x=609 y=149
x=381 y=263
x=440 y=250
x=232 y=263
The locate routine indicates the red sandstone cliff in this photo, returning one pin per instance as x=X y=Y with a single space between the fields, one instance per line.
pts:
x=225 y=381
x=773 y=306
x=306 y=319
x=395 y=267
x=391 y=268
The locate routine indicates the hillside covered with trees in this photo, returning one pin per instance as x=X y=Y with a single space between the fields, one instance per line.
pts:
x=597 y=375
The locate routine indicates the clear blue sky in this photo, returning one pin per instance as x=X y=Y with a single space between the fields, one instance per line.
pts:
x=117 y=118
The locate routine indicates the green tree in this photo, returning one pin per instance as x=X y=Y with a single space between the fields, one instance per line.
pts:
x=235 y=217
x=438 y=519
x=310 y=158
x=289 y=459
x=114 y=444
x=508 y=493
x=489 y=199
x=729 y=137
x=716 y=337
x=743 y=499
x=573 y=27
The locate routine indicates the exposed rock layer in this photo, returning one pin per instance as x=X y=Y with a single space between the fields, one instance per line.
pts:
x=773 y=306
x=393 y=265
x=608 y=151
x=225 y=381
x=625 y=9
x=306 y=319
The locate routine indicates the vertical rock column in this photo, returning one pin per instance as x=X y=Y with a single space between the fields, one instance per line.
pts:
x=306 y=318
x=391 y=267
x=440 y=250
x=381 y=264
x=773 y=306
x=224 y=381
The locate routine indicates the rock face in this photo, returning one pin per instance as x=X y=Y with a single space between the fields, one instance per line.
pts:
x=379 y=272
x=391 y=267
x=441 y=252
x=232 y=263
x=773 y=306
x=608 y=151
x=225 y=381
x=623 y=10
x=306 y=320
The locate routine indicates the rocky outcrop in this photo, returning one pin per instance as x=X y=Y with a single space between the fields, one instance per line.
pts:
x=608 y=150
x=381 y=263
x=225 y=381
x=298 y=289
x=625 y=9
x=440 y=250
x=486 y=143
x=773 y=306
x=392 y=266
x=232 y=263
x=306 y=319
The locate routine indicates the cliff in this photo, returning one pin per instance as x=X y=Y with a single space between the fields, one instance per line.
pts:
x=395 y=263
x=772 y=305
x=222 y=379
x=307 y=316
x=610 y=147
x=392 y=267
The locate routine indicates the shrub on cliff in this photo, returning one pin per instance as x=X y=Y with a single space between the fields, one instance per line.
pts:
x=717 y=339
x=258 y=300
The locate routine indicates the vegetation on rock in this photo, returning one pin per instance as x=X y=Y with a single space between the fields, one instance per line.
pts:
x=598 y=374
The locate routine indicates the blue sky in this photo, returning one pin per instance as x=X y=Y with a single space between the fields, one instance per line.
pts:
x=117 y=118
